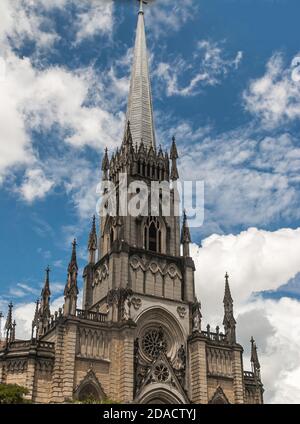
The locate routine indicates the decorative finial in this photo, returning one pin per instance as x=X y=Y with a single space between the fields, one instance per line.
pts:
x=254 y=357
x=46 y=289
x=141 y=5
x=73 y=262
x=92 y=242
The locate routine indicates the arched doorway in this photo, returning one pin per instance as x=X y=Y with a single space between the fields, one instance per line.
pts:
x=160 y=394
x=89 y=388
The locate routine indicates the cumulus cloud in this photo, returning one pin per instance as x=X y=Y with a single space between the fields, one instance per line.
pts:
x=256 y=260
x=78 y=105
x=276 y=327
x=210 y=63
x=41 y=100
x=246 y=181
x=35 y=185
x=275 y=97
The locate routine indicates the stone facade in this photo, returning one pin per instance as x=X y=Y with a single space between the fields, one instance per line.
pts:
x=138 y=337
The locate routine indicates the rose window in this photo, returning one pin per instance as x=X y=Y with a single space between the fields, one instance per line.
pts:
x=161 y=373
x=153 y=343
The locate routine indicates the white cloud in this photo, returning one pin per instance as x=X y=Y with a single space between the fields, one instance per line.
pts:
x=246 y=181
x=255 y=259
x=275 y=97
x=22 y=20
x=23 y=313
x=167 y=15
x=33 y=99
x=276 y=328
x=35 y=185
x=209 y=66
x=94 y=18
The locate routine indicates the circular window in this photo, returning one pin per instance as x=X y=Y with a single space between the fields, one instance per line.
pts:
x=154 y=342
x=161 y=373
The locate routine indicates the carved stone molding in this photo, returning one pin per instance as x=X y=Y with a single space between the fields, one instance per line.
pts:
x=101 y=274
x=171 y=269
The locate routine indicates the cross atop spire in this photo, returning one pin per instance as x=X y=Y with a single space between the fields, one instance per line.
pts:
x=139 y=108
x=141 y=5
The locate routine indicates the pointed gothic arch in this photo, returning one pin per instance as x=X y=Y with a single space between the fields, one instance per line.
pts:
x=154 y=234
x=219 y=397
x=159 y=394
x=89 y=387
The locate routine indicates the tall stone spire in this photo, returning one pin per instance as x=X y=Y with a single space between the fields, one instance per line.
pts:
x=174 y=157
x=9 y=324
x=92 y=244
x=139 y=108
x=105 y=165
x=254 y=358
x=44 y=313
x=185 y=236
x=36 y=319
x=71 y=288
x=228 y=321
x=255 y=365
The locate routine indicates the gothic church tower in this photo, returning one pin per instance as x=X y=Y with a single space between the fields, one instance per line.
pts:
x=138 y=337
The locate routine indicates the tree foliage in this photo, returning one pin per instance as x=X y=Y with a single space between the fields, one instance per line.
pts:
x=12 y=393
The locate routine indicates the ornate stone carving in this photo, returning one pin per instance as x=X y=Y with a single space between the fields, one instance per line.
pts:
x=154 y=342
x=120 y=298
x=181 y=311
x=219 y=397
x=161 y=373
x=172 y=270
x=136 y=302
x=101 y=274
x=45 y=366
x=89 y=387
x=196 y=317
x=180 y=365
x=17 y=365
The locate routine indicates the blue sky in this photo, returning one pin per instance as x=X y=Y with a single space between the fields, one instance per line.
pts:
x=222 y=83
x=39 y=231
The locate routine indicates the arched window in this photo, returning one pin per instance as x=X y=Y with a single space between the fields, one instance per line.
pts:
x=152 y=235
x=88 y=393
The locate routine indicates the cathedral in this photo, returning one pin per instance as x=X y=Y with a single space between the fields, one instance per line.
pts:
x=138 y=336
